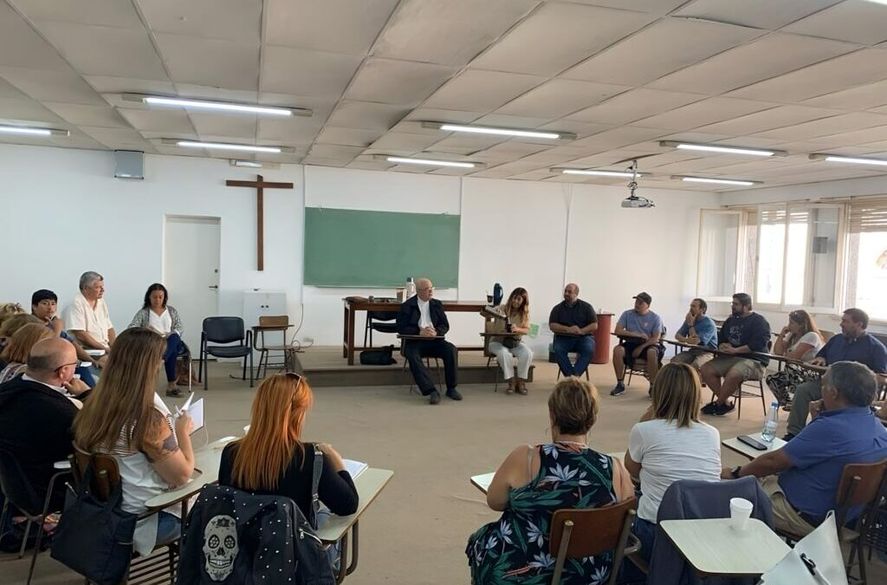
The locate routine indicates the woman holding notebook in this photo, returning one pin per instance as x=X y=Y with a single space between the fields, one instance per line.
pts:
x=515 y=319
x=272 y=458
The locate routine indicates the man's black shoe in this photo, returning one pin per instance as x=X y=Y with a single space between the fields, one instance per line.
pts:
x=434 y=397
x=453 y=394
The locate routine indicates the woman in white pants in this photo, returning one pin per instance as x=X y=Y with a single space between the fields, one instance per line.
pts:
x=516 y=311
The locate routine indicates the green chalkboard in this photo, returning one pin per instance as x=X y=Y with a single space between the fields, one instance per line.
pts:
x=346 y=248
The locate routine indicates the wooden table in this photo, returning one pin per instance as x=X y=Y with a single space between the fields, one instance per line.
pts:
x=369 y=485
x=353 y=305
x=714 y=547
x=734 y=444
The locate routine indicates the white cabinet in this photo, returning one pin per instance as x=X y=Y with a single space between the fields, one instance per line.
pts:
x=262 y=303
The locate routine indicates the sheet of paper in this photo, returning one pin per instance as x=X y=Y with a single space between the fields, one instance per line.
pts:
x=355 y=468
x=196 y=412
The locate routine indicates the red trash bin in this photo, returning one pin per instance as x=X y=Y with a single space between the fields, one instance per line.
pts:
x=602 y=338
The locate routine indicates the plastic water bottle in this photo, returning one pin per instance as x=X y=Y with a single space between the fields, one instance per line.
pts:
x=768 y=433
x=411 y=288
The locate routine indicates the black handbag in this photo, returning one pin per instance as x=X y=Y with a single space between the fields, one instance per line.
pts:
x=380 y=356
x=94 y=538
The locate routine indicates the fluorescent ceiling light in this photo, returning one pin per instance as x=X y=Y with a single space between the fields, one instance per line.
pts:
x=225 y=146
x=29 y=131
x=430 y=162
x=736 y=182
x=222 y=106
x=499 y=131
x=720 y=149
x=878 y=1
x=849 y=159
x=621 y=174
x=246 y=163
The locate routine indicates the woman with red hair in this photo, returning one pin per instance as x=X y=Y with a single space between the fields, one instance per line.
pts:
x=272 y=459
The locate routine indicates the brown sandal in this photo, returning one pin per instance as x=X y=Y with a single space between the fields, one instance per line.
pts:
x=521 y=387
x=511 y=386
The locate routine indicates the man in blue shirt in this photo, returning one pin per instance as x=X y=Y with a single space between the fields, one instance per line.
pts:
x=802 y=478
x=697 y=329
x=639 y=330
x=853 y=344
x=742 y=354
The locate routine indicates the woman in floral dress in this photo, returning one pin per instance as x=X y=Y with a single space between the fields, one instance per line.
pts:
x=533 y=482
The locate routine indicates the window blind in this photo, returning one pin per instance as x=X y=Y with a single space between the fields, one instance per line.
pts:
x=868 y=214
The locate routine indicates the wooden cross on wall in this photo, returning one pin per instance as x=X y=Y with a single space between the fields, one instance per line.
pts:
x=259 y=184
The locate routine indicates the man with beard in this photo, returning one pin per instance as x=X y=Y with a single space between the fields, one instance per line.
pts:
x=573 y=323
x=742 y=347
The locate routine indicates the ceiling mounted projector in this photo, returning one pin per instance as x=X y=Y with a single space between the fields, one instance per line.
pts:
x=635 y=201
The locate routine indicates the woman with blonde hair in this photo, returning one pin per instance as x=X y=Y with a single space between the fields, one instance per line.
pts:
x=14 y=356
x=516 y=319
x=670 y=443
x=125 y=418
x=272 y=458
x=533 y=482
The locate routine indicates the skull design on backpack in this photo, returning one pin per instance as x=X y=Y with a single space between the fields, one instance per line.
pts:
x=220 y=546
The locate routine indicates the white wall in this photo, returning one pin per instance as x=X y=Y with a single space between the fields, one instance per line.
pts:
x=65 y=213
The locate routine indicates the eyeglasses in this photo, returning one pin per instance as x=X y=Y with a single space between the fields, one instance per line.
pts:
x=66 y=365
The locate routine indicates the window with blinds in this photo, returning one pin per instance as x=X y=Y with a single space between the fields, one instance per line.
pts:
x=866 y=263
x=797 y=255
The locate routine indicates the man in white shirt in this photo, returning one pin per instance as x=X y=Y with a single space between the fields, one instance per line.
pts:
x=88 y=318
x=423 y=317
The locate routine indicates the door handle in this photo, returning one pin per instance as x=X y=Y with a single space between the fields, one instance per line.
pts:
x=215 y=286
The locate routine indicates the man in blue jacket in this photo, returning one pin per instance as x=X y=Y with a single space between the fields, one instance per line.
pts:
x=423 y=316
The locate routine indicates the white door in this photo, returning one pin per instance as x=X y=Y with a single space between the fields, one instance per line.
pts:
x=191 y=271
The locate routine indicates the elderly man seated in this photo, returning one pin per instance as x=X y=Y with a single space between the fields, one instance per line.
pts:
x=88 y=318
x=802 y=478
x=37 y=410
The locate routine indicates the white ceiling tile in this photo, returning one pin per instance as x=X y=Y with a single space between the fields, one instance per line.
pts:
x=703 y=113
x=25 y=110
x=864 y=97
x=97 y=12
x=404 y=142
x=765 y=14
x=397 y=82
x=210 y=62
x=107 y=51
x=508 y=121
x=82 y=115
x=465 y=143
x=652 y=6
x=478 y=90
x=859 y=68
x=827 y=126
x=659 y=49
x=240 y=127
x=366 y=115
x=854 y=21
x=334 y=26
x=507 y=151
x=861 y=138
x=348 y=137
x=448 y=32
x=117 y=138
x=9 y=91
x=580 y=129
x=620 y=137
x=158 y=120
x=292 y=132
x=634 y=105
x=764 y=58
x=557 y=36
x=104 y=84
x=768 y=119
x=56 y=86
x=232 y=20
x=333 y=151
x=308 y=73
x=560 y=97
x=20 y=46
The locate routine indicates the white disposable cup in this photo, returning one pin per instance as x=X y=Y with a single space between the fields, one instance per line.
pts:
x=740 y=511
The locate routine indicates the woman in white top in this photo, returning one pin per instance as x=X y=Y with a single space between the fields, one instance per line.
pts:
x=799 y=340
x=124 y=417
x=669 y=444
x=156 y=315
x=516 y=313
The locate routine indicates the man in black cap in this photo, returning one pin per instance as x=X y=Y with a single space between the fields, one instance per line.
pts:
x=639 y=330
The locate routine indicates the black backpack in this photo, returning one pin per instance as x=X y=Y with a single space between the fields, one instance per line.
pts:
x=380 y=356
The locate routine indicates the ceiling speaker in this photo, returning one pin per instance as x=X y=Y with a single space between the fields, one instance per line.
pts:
x=130 y=164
